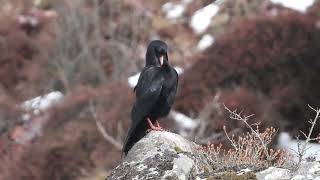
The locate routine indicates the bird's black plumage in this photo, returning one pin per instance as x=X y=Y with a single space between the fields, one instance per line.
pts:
x=155 y=92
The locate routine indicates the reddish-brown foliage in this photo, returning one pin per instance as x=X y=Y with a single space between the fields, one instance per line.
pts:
x=71 y=145
x=21 y=58
x=273 y=57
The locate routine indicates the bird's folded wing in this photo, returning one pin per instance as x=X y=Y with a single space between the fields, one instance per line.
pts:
x=148 y=91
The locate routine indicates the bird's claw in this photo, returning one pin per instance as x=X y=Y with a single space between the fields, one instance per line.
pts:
x=153 y=127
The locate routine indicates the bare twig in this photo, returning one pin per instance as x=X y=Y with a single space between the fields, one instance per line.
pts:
x=230 y=139
x=102 y=130
x=237 y=116
x=302 y=146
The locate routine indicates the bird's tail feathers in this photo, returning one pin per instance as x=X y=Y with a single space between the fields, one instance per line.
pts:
x=135 y=133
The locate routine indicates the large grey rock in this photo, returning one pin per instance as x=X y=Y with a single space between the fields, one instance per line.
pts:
x=307 y=170
x=165 y=155
x=168 y=156
x=159 y=155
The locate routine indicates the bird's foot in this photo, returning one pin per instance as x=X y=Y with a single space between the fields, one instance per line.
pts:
x=153 y=127
x=158 y=125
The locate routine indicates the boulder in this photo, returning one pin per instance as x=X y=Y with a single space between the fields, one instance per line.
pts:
x=168 y=156
x=159 y=155
x=165 y=155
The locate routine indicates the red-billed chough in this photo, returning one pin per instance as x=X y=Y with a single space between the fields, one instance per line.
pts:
x=155 y=93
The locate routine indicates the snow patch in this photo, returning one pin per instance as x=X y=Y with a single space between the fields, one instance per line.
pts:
x=172 y=10
x=291 y=145
x=187 y=1
x=315 y=169
x=179 y=70
x=182 y=120
x=202 y=18
x=133 y=80
x=33 y=121
x=175 y=10
x=299 y=5
x=206 y=41
x=42 y=103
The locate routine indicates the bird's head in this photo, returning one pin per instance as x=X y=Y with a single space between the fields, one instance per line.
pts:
x=157 y=53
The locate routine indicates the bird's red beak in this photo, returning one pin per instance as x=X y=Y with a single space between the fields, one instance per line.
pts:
x=161 y=60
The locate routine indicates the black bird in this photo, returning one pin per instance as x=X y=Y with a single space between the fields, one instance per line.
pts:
x=155 y=93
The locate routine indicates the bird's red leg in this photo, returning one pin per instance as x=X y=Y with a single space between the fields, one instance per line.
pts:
x=158 y=125
x=152 y=127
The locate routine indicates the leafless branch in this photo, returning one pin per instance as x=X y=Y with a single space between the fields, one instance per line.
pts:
x=302 y=146
x=237 y=116
x=230 y=139
x=102 y=130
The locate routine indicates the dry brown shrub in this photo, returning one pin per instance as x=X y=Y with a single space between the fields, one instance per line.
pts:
x=71 y=146
x=247 y=152
x=9 y=118
x=21 y=56
x=276 y=58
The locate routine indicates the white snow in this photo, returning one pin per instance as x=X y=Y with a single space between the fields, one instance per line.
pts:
x=183 y=120
x=32 y=126
x=202 y=18
x=133 y=80
x=175 y=10
x=206 y=41
x=42 y=103
x=179 y=70
x=291 y=145
x=299 y=5
x=314 y=169
x=187 y=1
x=184 y=123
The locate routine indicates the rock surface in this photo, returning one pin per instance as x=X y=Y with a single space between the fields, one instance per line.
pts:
x=165 y=155
x=159 y=155
x=307 y=170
